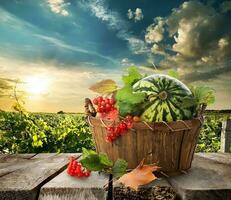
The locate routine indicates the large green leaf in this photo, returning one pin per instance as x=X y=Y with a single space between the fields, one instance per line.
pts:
x=203 y=95
x=87 y=152
x=173 y=73
x=119 y=168
x=129 y=102
x=133 y=109
x=132 y=77
x=92 y=162
x=126 y=94
x=104 y=160
x=95 y=162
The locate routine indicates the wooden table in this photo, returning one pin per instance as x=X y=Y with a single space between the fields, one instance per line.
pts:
x=43 y=177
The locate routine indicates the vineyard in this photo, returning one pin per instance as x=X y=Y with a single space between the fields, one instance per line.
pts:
x=42 y=132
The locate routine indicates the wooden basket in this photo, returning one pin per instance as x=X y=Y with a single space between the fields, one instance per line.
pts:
x=170 y=145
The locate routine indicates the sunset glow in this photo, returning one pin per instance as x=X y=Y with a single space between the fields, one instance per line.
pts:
x=37 y=85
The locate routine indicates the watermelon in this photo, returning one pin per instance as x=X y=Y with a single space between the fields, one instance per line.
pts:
x=165 y=96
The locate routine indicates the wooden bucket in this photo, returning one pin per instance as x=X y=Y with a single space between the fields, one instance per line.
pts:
x=170 y=145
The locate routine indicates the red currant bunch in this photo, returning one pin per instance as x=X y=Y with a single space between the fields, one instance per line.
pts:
x=76 y=169
x=104 y=105
x=121 y=128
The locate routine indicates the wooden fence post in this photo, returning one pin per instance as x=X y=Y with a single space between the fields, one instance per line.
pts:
x=226 y=136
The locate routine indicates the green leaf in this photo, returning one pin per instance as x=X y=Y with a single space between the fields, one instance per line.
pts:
x=87 y=152
x=92 y=162
x=126 y=94
x=132 y=77
x=104 y=87
x=203 y=95
x=173 y=73
x=119 y=168
x=133 y=109
x=129 y=102
x=104 y=160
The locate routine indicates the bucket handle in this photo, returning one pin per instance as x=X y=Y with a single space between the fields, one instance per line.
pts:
x=200 y=113
x=89 y=108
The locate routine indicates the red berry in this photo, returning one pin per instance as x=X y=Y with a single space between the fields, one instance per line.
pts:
x=113 y=135
x=108 y=107
x=108 y=139
x=74 y=164
x=110 y=129
x=117 y=131
x=129 y=124
x=80 y=174
x=102 y=108
x=112 y=101
x=103 y=103
x=129 y=118
x=107 y=101
x=87 y=173
x=99 y=110
x=100 y=99
x=78 y=168
x=123 y=126
x=95 y=101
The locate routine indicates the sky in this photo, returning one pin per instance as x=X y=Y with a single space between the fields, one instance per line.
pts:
x=56 y=49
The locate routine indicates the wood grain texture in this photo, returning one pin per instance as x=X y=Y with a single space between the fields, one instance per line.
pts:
x=226 y=136
x=172 y=150
x=224 y=158
x=206 y=180
x=11 y=162
x=22 y=177
x=64 y=187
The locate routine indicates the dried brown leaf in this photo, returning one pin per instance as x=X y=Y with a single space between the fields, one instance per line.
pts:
x=141 y=175
x=104 y=87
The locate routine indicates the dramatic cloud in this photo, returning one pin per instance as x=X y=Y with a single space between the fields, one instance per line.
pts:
x=58 y=7
x=155 y=32
x=194 y=37
x=62 y=44
x=158 y=49
x=130 y=14
x=137 y=15
x=114 y=21
x=226 y=6
x=127 y=62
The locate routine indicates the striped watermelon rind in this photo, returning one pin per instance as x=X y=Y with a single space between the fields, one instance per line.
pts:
x=165 y=95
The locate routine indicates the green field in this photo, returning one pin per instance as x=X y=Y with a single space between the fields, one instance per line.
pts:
x=43 y=132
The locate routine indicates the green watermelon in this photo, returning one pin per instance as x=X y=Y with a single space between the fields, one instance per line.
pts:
x=165 y=95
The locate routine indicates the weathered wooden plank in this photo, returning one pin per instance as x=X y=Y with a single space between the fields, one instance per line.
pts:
x=226 y=136
x=25 y=181
x=224 y=158
x=206 y=180
x=64 y=187
x=159 y=189
x=12 y=162
x=15 y=157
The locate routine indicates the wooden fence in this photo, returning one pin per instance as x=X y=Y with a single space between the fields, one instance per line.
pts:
x=226 y=136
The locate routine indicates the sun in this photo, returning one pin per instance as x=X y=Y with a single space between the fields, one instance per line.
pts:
x=37 y=85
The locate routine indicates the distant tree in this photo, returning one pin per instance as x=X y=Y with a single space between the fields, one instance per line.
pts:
x=5 y=87
x=8 y=89
x=61 y=112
